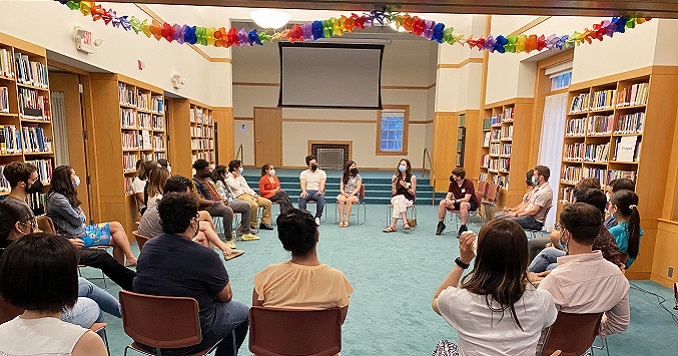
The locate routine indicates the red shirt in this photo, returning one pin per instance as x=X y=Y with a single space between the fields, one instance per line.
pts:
x=266 y=188
x=460 y=192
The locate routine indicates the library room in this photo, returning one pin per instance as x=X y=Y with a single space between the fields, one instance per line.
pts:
x=332 y=177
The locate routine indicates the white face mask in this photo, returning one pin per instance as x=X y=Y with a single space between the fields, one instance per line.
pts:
x=76 y=181
x=271 y=172
x=169 y=169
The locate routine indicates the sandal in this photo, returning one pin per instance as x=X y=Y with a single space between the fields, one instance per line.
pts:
x=342 y=224
x=234 y=254
x=389 y=229
x=406 y=226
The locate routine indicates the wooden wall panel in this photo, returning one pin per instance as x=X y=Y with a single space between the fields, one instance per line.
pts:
x=180 y=137
x=224 y=116
x=444 y=149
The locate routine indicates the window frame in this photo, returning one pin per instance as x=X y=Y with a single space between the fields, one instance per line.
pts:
x=406 y=127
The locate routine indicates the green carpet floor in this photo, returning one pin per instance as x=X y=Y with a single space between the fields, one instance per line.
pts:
x=395 y=276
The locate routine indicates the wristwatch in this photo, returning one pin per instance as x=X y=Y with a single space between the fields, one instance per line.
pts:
x=461 y=264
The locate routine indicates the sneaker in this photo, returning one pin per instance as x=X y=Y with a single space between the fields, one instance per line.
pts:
x=317 y=221
x=230 y=243
x=461 y=230
x=249 y=237
x=441 y=228
x=263 y=226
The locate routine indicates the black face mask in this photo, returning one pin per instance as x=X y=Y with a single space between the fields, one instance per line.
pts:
x=314 y=167
x=451 y=179
x=35 y=188
x=354 y=171
x=207 y=174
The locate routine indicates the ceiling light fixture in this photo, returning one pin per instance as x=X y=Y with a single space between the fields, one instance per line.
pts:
x=270 y=19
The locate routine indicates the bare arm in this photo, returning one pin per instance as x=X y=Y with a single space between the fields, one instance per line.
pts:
x=322 y=185
x=357 y=188
x=452 y=280
x=302 y=184
x=89 y=344
x=226 y=294
x=530 y=211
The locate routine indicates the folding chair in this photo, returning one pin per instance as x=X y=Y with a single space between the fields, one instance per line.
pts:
x=411 y=213
x=141 y=240
x=482 y=187
x=489 y=202
x=573 y=334
x=360 y=206
x=455 y=215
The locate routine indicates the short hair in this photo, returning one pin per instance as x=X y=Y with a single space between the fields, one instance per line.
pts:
x=622 y=184
x=595 y=197
x=11 y=212
x=40 y=272
x=176 y=184
x=588 y=183
x=17 y=172
x=309 y=158
x=297 y=231
x=543 y=171
x=234 y=164
x=176 y=211
x=583 y=221
x=200 y=164
x=163 y=163
x=146 y=168
x=459 y=172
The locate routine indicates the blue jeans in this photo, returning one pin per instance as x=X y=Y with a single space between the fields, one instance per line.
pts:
x=319 y=200
x=85 y=312
x=528 y=222
x=546 y=260
x=107 y=303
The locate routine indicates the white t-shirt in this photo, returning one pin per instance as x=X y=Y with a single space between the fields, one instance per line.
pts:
x=138 y=186
x=43 y=336
x=313 y=178
x=483 y=332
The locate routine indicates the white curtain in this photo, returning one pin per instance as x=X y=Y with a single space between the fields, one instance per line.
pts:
x=551 y=146
x=60 y=129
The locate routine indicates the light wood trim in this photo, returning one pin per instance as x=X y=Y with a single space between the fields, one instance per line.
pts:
x=197 y=103
x=22 y=46
x=640 y=72
x=330 y=121
x=674 y=224
x=243 y=118
x=253 y=84
x=331 y=142
x=460 y=64
x=385 y=87
x=421 y=122
x=139 y=84
x=406 y=127
x=529 y=25
x=67 y=68
x=509 y=102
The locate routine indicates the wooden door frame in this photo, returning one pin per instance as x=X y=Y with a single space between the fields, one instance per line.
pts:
x=254 y=124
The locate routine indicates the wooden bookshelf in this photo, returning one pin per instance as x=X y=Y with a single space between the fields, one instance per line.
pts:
x=130 y=125
x=202 y=132
x=194 y=118
x=26 y=133
x=461 y=141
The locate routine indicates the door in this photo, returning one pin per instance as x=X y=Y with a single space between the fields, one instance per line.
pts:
x=68 y=129
x=267 y=136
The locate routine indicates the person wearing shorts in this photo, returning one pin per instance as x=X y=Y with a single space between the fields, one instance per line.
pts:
x=461 y=196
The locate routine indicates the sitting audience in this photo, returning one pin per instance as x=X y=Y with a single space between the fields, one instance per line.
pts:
x=139 y=184
x=63 y=207
x=173 y=265
x=614 y=186
x=495 y=311
x=302 y=282
x=269 y=188
x=47 y=286
x=465 y=201
x=627 y=232
x=523 y=203
x=533 y=216
x=312 y=182
x=403 y=194
x=584 y=282
x=156 y=180
x=349 y=190
x=219 y=174
x=238 y=186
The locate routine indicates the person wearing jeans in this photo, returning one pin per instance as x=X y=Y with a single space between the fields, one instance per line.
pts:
x=312 y=183
x=534 y=215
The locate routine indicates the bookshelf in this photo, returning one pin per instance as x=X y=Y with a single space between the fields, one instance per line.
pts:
x=196 y=118
x=130 y=125
x=26 y=133
x=202 y=133
x=461 y=141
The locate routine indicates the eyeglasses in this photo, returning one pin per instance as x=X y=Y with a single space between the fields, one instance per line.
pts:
x=32 y=223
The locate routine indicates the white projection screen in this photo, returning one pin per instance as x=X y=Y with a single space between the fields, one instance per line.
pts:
x=330 y=75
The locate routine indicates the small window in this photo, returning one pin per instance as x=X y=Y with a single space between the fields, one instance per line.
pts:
x=560 y=75
x=392 y=130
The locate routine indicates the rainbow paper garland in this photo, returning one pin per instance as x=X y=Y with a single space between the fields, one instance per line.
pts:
x=332 y=27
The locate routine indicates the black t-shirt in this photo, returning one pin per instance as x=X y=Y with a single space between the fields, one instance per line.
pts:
x=460 y=192
x=171 y=265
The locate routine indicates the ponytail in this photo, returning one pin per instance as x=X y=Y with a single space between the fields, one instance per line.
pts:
x=634 y=232
x=627 y=203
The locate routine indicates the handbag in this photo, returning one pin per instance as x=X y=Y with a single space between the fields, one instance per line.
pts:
x=412 y=222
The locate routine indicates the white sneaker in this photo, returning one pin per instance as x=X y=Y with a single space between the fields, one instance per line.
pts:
x=317 y=221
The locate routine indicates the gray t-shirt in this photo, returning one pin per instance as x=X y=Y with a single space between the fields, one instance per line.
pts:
x=352 y=184
x=542 y=197
x=149 y=225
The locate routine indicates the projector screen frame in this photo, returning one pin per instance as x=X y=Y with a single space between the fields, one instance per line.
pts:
x=282 y=45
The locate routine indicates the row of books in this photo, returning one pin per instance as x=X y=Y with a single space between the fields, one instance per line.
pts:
x=627 y=149
x=575 y=174
x=33 y=105
x=158 y=142
x=482 y=177
x=571 y=174
x=4 y=184
x=496 y=134
x=507 y=132
x=202 y=131
x=6 y=65
x=159 y=155
x=10 y=140
x=460 y=146
x=45 y=169
x=603 y=99
x=126 y=95
x=509 y=115
x=202 y=144
x=634 y=95
x=495 y=149
x=129 y=161
x=207 y=156
x=597 y=152
x=505 y=149
x=575 y=127
x=501 y=181
x=130 y=140
x=35 y=140
x=158 y=123
x=158 y=105
x=127 y=118
x=30 y=73
x=460 y=133
x=574 y=151
x=486 y=139
x=196 y=114
x=144 y=121
x=504 y=164
x=600 y=125
x=487 y=124
x=4 y=100
x=613 y=174
x=580 y=103
x=630 y=123
x=129 y=188
x=594 y=172
x=36 y=202
x=567 y=195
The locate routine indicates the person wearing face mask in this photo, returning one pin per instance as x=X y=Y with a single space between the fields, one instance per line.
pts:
x=349 y=189
x=312 y=183
x=173 y=265
x=23 y=179
x=238 y=186
x=403 y=194
x=269 y=188
x=63 y=207
x=541 y=201
x=165 y=164
x=464 y=194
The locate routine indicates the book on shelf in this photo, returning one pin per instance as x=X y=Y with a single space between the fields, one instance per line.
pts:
x=159 y=155
x=144 y=101
x=126 y=95
x=574 y=151
x=158 y=123
x=627 y=149
x=505 y=149
x=4 y=184
x=6 y=65
x=597 y=152
x=483 y=177
x=127 y=119
x=460 y=133
x=600 y=125
x=129 y=189
x=603 y=100
x=30 y=73
x=158 y=142
x=572 y=174
x=146 y=140
x=501 y=181
x=130 y=140
x=35 y=140
x=567 y=195
x=4 y=100
x=576 y=127
x=629 y=123
x=487 y=123
x=33 y=105
x=634 y=95
x=144 y=121
x=157 y=105
x=595 y=172
x=495 y=149
x=580 y=103
x=508 y=115
x=486 y=140
x=44 y=168
x=129 y=161
x=36 y=201
x=613 y=174
x=462 y=120
x=10 y=140
x=507 y=132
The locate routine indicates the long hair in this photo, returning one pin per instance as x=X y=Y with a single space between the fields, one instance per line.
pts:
x=218 y=173
x=347 y=171
x=264 y=169
x=627 y=203
x=156 y=180
x=61 y=183
x=500 y=268
x=408 y=172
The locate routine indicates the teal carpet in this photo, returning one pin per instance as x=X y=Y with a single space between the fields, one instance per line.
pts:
x=395 y=276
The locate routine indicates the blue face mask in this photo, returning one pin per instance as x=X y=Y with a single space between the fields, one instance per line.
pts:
x=562 y=245
x=241 y=170
x=402 y=168
x=76 y=181
x=534 y=180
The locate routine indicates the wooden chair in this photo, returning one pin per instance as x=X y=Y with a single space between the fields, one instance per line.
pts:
x=141 y=240
x=489 y=202
x=573 y=334
x=276 y=332
x=359 y=207
x=160 y=322
x=482 y=187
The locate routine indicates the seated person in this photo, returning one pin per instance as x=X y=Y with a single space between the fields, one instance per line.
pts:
x=584 y=282
x=269 y=188
x=47 y=286
x=547 y=259
x=495 y=310
x=403 y=194
x=23 y=178
x=312 y=182
x=150 y=224
x=302 y=282
x=139 y=183
x=349 y=190
x=616 y=185
x=627 y=232
x=165 y=164
x=523 y=203
x=173 y=265
x=238 y=186
x=219 y=174
x=464 y=194
x=63 y=207
x=534 y=215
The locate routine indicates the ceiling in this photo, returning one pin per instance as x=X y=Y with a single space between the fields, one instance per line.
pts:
x=658 y=8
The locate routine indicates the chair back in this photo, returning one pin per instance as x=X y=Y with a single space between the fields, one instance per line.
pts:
x=160 y=322
x=479 y=197
x=573 y=334
x=8 y=311
x=361 y=194
x=292 y=332
x=482 y=187
x=141 y=240
x=46 y=224
x=492 y=191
